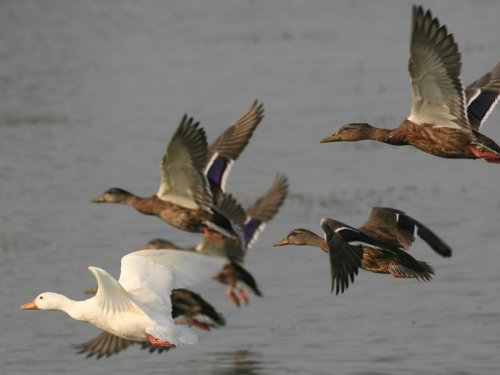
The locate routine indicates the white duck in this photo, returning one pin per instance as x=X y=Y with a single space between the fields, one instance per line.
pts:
x=138 y=306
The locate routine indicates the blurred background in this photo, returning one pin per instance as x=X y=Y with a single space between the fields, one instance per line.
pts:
x=92 y=91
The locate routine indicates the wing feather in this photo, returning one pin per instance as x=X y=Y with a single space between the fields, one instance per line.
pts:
x=482 y=96
x=163 y=270
x=182 y=178
x=233 y=141
x=111 y=296
x=437 y=93
x=104 y=344
x=229 y=145
x=265 y=208
x=396 y=228
x=345 y=259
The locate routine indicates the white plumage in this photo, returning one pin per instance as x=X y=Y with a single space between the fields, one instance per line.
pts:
x=138 y=306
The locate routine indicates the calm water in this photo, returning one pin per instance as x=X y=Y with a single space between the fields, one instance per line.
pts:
x=91 y=92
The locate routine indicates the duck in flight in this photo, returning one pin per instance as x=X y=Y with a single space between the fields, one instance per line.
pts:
x=444 y=119
x=138 y=306
x=193 y=176
x=381 y=244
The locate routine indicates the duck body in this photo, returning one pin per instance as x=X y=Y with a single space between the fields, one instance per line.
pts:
x=449 y=143
x=394 y=262
x=134 y=324
x=188 y=308
x=187 y=219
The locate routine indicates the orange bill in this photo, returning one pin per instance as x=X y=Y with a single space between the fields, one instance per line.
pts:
x=29 y=306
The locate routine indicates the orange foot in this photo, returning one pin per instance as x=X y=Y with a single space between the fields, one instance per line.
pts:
x=232 y=296
x=213 y=235
x=490 y=157
x=158 y=342
x=243 y=296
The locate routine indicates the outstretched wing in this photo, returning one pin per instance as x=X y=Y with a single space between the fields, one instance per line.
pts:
x=382 y=224
x=396 y=228
x=103 y=345
x=437 y=93
x=229 y=145
x=344 y=258
x=182 y=179
x=482 y=96
x=163 y=270
x=264 y=209
x=111 y=297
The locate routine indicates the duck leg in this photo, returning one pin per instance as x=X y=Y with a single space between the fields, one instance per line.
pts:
x=213 y=235
x=232 y=296
x=158 y=342
x=490 y=157
x=243 y=295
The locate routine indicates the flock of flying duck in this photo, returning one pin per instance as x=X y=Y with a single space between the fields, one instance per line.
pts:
x=149 y=305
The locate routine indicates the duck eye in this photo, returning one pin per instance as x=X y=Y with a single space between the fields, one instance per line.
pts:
x=41 y=297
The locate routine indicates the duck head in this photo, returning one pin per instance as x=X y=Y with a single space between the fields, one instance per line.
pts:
x=297 y=237
x=113 y=195
x=350 y=133
x=44 y=301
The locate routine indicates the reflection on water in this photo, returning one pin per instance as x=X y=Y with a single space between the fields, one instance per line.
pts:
x=238 y=362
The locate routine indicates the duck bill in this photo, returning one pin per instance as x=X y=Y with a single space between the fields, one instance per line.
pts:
x=331 y=138
x=282 y=242
x=29 y=306
x=98 y=199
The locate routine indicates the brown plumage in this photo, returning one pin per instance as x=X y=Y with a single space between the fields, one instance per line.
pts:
x=382 y=239
x=193 y=176
x=235 y=277
x=445 y=119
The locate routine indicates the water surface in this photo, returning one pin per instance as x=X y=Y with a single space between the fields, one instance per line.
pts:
x=92 y=92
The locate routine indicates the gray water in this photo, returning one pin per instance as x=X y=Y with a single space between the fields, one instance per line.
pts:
x=91 y=92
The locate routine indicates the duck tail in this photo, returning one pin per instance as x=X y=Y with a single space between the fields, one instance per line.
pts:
x=426 y=271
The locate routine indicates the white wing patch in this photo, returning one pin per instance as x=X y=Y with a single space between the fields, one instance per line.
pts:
x=165 y=269
x=111 y=296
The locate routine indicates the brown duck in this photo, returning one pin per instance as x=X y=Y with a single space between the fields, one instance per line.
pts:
x=188 y=308
x=445 y=119
x=383 y=241
x=257 y=215
x=193 y=176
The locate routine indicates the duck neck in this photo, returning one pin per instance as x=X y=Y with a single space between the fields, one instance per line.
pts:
x=380 y=135
x=147 y=206
x=134 y=201
x=317 y=241
x=78 y=310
